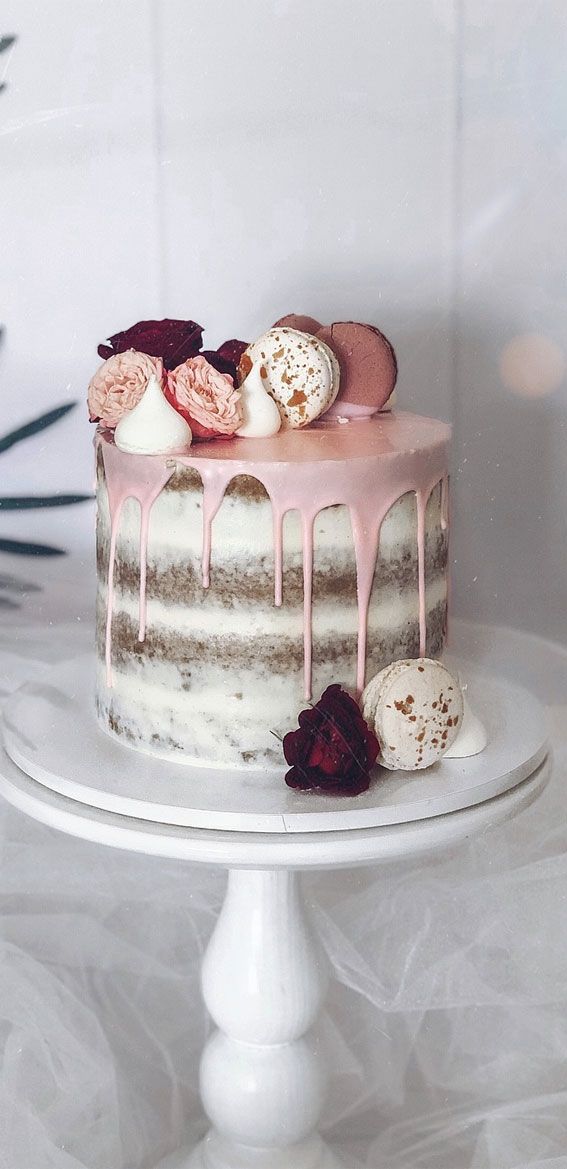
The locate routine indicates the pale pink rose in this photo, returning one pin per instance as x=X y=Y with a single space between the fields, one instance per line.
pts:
x=119 y=384
x=206 y=398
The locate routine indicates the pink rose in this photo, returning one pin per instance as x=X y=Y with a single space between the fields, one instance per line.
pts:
x=206 y=398
x=119 y=384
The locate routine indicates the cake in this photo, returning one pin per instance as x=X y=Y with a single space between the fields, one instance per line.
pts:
x=238 y=577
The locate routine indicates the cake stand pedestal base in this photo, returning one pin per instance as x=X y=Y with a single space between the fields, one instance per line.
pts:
x=264 y=979
x=214 y=1153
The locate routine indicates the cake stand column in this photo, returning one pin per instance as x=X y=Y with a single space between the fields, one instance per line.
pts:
x=264 y=981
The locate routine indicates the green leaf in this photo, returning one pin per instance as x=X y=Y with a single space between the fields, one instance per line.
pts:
x=17 y=584
x=34 y=427
x=23 y=548
x=9 y=603
x=25 y=502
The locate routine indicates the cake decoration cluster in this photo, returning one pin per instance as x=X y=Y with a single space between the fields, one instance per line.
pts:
x=411 y=715
x=200 y=387
x=296 y=373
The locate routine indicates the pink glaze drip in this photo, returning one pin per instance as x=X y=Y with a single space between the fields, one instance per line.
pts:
x=422 y=498
x=366 y=544
x=215 y=484
x=130 y=477
x=444 y=503
x=366 y=467
x=278 y=556
x=308 y=522
x=110 y=590
x=445 y=525
x=144 y=526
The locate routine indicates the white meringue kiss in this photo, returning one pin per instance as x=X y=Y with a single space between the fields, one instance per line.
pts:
x=153 y=427
x=261 y=415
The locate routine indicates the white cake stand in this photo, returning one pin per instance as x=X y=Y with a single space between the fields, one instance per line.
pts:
x=264 y=975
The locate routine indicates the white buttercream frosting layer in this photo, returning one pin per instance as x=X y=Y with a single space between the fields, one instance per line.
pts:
x=220 y=669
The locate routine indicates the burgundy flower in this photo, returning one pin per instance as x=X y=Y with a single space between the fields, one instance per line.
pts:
x=173 y=341
x=233 y=349
x=220 y=363
x=334 y=749
x=226 y=357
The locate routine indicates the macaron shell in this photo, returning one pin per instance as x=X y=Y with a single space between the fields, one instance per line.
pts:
x=416 y=709
x=367 y=363
x=298 y=321
x=299 y=372
x=374 y=689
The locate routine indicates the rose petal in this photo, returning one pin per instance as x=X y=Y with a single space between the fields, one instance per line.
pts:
x=220 y=363
x=232 y=349
x=172 y=340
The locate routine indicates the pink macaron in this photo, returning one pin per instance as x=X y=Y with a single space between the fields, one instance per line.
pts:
x=298 y=321
x=368 y=368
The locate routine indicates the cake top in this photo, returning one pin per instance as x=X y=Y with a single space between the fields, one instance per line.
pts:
x=160 y=391
x=394 y=436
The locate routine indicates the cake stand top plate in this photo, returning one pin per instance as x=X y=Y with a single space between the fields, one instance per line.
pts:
x=51 y=734
x=263 y=850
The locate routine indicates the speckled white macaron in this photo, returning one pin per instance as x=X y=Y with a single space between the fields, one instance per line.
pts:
x=415 y=706
x=298 y=371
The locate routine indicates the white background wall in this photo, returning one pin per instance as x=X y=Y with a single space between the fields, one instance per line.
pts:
x=401 y=162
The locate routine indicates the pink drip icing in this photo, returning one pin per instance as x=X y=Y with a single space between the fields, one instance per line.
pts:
x=308 y=522
x=445 y=525
x=115 y=514
x=130 y=477
x=215 y=484
x=366 y=544
x=444 y=503
x=366 y=469
x=144 y=526
x=422 y=498
x=278 y=556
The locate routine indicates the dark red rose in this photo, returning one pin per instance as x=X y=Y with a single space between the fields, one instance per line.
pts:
x=219 y=362
x=233 y=349
x=173 y=341
x=334 y=748
x=226 y=357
